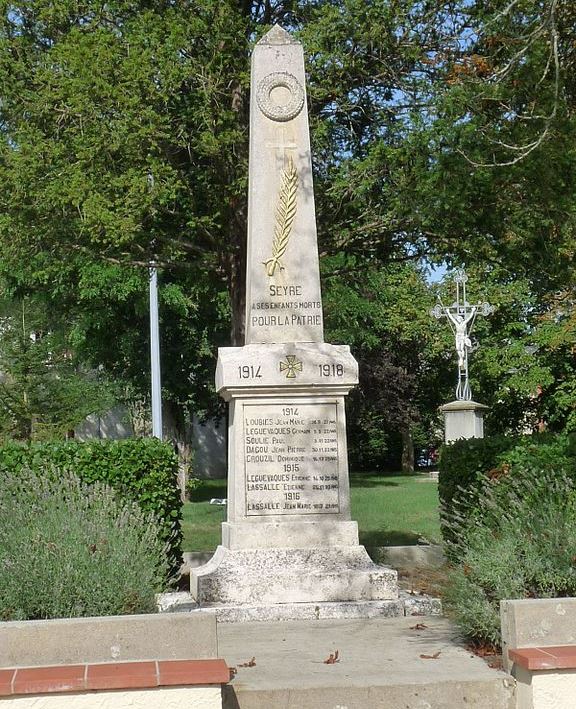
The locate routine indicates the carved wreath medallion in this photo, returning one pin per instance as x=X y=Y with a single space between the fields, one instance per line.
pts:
x=275 y=111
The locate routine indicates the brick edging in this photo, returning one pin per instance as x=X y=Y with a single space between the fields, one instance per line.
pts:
x=112 y=675
x=558 y=657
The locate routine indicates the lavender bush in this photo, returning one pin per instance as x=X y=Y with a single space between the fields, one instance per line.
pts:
x=68 y=548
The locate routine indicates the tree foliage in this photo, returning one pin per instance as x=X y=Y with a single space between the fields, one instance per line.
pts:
x=44 y=393
x=440 y=131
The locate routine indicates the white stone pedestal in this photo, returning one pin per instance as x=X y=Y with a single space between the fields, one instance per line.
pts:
x=288 y=538
x=463 y=419
x=290 y=576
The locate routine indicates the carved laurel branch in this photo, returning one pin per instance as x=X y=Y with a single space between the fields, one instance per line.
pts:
x=285 y=213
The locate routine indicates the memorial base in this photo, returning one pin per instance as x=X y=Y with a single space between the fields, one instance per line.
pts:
x=289 y=548
x=463 y=419
x=407 y=604
x=281 y=576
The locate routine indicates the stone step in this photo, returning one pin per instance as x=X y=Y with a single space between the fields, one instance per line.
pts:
x=405 y=604
x=395 y=663
x=482 y=694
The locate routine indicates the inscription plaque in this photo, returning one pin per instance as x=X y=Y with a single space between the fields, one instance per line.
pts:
x=291 y=458
x=284 y=307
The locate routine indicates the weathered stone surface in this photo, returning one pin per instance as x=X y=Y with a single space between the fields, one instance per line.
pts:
x=289 y=365
x=268 y=576
x=288 y=538
x=405 y=605
x=122 y=638
x=342 y=610
x=283 y=299
x=289 y=535
x=463 y=419
x=380 y=666
x=473 y=694
x=288 y=460
x=420 y=605
x=537 y=622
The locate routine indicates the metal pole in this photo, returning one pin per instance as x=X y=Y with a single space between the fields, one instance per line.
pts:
x=155 y=356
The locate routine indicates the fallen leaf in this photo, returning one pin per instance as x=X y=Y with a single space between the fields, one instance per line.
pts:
x=486 y=650
x=250 y=663
x=419 y=626
x=435 y=656
x=333 y=659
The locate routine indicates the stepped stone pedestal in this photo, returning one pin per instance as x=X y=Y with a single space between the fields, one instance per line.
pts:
x=289 y=538
x=289 y=548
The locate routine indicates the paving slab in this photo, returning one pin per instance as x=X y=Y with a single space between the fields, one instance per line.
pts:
x=396 y=663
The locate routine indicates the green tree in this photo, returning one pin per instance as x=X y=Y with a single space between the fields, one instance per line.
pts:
x=124 y=140
x=497 y=165
x=522 y=363
x=404 y=361
x=44 y=394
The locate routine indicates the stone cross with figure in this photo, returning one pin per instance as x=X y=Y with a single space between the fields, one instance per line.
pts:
x=289 y=547
x=461 y=316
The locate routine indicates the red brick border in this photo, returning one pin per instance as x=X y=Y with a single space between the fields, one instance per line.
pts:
x=560 y=657
x=112 y=675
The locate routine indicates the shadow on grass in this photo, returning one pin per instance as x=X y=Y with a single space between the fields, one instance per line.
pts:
x=361 y=481
x=389 y=538
x=209 y=489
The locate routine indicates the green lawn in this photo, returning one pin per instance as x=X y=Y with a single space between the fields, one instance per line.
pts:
x=391 y=509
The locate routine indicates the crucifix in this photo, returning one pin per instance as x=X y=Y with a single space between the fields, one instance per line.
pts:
x=461 y=316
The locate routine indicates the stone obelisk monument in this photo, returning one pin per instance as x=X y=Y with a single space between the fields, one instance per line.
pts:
x=289 y=548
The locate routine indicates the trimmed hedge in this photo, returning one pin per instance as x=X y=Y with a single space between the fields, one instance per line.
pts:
x=469 y=463
x=142 y=469
x=465 y=464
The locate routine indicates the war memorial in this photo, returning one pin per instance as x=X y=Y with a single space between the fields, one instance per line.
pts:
x=289 y=547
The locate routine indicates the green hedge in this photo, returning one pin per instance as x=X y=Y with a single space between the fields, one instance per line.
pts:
x=143 y=470
x=465 y=464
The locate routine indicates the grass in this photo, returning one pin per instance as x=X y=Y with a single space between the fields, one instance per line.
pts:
x=390 y=510
x=395 y=510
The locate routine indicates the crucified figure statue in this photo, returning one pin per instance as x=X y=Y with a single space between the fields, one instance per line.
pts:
x=461 y=315
x=463 y=342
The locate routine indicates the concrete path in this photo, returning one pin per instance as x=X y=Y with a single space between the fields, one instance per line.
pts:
x=381 y=666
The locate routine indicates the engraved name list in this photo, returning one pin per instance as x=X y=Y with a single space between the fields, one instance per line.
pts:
x=291 y=458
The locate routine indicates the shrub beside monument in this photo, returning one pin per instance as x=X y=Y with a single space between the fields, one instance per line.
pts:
x=69 y=549
x=512 y=532
x=465 y=465
x=142 y=470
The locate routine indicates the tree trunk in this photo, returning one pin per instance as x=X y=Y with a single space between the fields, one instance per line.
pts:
x=237 y=292
x=407 y=451
x=238 y=234
x=179 y=433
